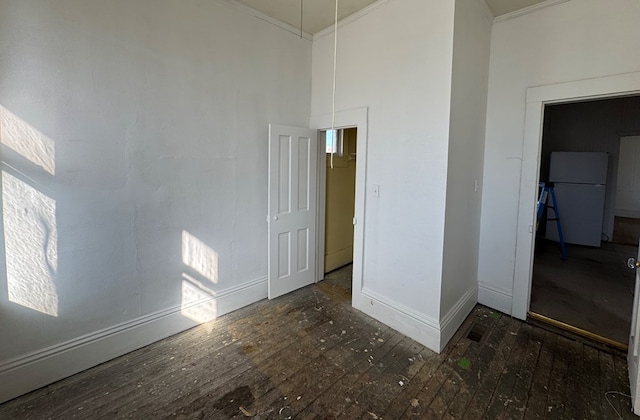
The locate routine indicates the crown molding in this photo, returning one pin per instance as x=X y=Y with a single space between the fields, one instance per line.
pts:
x=527 y=10
x=351 y=18
x=486 y=10
x=252 y=12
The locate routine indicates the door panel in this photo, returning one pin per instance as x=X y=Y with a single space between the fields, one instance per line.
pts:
x=628 y=183
x=293 y=161
x=633 y=354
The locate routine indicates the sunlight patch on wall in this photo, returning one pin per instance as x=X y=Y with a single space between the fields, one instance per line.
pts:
x=27 y=141
x=198 y=301
x=31 y=248
x=198 y=256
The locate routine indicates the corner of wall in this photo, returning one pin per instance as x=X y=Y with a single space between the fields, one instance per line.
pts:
x=495 y=298
x=419 y=327
x=427 y=331
x=456 y=316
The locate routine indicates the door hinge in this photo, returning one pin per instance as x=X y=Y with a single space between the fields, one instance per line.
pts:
x=355 y=221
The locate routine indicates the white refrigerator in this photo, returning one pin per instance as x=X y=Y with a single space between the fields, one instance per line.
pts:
x=580 y=181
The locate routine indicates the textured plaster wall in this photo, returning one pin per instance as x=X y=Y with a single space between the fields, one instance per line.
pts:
x=134 y=156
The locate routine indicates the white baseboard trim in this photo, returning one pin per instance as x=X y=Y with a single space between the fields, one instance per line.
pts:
x=37 y=369
x=338 y=259
x=495 y=298
x=421 y=328
x=456 y=315
x=631 y=214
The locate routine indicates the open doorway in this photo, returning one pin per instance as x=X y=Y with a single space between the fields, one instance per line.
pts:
x=587 y=154
x=340 y=198
x=358 y=118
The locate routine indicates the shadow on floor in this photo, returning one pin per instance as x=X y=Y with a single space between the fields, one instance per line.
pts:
x=592 y=290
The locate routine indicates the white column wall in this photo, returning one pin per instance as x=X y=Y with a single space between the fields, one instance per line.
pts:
x=472 y=37
x=397 y=60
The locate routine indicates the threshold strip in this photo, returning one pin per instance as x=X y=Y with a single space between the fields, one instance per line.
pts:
x=578 y=331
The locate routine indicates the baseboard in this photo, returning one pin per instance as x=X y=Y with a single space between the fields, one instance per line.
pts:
x=456 y=315
x=427 y=331
x=32 y=371
x=421 y=328
x=629 y=214
x=338 y=259
x=494 y=298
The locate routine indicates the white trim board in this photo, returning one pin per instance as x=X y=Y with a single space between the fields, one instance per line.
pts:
x=253 y=12
x=419 y=327
x=486 y=10
x=537 y=97
x=527 y=10
x=351 y=18
x=453 y=319
x=631 y=214
x=429 y=332
x=495 y=298
x=43 y=367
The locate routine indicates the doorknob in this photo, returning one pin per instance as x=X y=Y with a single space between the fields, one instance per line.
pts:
x=275 y=217
x=632 y=263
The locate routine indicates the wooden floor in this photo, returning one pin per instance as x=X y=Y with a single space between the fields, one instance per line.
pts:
x=309 y=355
x=592 y=289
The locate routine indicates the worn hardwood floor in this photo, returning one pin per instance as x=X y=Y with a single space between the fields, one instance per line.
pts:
x=309 y=355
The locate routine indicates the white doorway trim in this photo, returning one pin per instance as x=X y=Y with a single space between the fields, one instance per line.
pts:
x=357 y=118
x=537 y=98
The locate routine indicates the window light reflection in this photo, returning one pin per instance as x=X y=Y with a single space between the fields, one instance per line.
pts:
x=27 y=141
x=198 y=302
x=198 y=256
x=31 y=249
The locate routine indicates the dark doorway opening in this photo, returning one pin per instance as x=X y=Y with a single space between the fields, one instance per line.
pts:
x=592 y=291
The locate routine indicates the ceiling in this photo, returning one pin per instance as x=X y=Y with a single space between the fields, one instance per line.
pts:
x=319 y=14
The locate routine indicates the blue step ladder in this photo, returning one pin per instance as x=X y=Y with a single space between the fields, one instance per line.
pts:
x=546 y=190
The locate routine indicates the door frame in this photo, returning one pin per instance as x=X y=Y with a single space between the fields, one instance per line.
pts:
x=536 y=99
x=353 y=118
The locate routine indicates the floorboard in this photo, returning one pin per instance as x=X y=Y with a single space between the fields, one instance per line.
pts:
x=591 y=290
x=309 y=355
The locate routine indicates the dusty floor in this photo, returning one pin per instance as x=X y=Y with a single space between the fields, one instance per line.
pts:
x=309 y=355
x=592 y=290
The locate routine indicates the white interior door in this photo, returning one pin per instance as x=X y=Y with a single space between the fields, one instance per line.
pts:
x=634 y=336
x=628 y=184
x=293 y=162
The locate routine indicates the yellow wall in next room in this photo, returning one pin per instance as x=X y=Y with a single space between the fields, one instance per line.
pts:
x=340 y=204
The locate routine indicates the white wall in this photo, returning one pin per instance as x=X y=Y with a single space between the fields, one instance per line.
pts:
x=472 y=37
x=571 y=41
x=147 y=124
x=397 y=61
